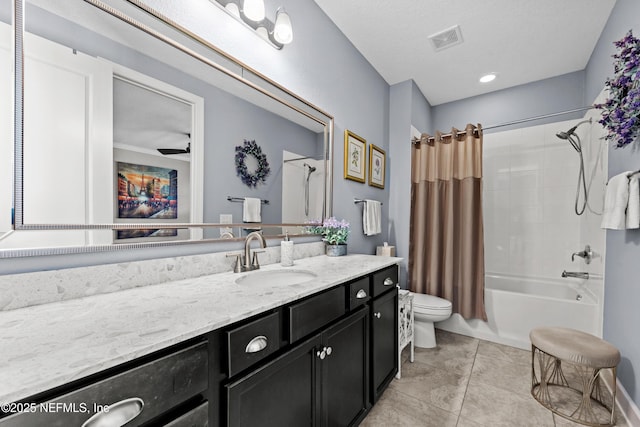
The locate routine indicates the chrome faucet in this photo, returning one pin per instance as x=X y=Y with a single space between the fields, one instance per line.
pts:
x=244 y=262
x=587 y=254
x=576 y=274
x=252 y=265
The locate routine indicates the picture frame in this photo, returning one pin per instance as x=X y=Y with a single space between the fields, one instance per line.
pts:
x=377 y=166
x=355 y=151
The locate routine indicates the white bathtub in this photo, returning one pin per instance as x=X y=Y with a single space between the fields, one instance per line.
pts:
x=515 y=305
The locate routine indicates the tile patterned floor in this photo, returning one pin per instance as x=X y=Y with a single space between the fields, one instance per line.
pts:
x=464 y=382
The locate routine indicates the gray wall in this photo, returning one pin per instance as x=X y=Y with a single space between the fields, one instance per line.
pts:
x=408 y=107
x=320 y=65
x=622 y=269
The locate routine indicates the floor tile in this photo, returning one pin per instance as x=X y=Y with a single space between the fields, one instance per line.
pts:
x=509 y=376
x=504 y=352
x=496 y=407
x=397 y=409
x=453 y=352
x=434 y=385
x=464 y=422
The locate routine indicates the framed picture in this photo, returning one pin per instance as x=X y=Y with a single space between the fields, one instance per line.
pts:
x=355 y=150
x=377 y=164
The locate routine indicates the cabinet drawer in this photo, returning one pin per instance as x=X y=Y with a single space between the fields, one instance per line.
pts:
x=160 y=384
x=252 y=342
x=313 y=313
x=358 y=292
x=196 y=417
x=384 y=280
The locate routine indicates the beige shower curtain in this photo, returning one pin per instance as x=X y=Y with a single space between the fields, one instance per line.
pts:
x=446 y=246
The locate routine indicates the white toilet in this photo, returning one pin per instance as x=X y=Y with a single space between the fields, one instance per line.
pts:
x=428 y=309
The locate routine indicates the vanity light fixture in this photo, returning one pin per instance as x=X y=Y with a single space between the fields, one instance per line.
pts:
x=252 y=14
x=488 y=78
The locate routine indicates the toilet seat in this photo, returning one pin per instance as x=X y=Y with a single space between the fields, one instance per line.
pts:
x=430 y=304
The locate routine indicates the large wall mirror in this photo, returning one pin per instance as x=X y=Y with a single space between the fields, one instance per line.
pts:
x=133 y=132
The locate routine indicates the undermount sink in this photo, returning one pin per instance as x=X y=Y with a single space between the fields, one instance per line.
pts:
x=276 y=277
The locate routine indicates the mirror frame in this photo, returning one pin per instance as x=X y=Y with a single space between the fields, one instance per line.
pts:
x=248 y=76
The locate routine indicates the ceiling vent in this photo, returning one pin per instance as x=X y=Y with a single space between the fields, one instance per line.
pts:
x=447 y=38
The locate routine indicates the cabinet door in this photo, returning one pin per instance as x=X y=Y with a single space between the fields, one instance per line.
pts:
x=384 y=341
x=281 y=393
x=345 y=370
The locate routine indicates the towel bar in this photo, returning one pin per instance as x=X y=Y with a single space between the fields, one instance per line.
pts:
x=356 y=201
x=241 y=199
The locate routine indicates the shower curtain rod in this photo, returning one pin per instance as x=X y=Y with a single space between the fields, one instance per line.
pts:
x=415 y=140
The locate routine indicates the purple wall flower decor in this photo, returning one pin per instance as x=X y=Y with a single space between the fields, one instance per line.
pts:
x=251 y=179
x=621 y=110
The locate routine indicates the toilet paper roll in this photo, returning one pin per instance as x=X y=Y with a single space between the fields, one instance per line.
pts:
x=286 y=253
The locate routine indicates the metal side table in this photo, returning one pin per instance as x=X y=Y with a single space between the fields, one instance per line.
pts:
x=405 y=326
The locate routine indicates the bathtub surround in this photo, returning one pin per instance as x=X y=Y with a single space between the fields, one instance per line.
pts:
x=446 y=251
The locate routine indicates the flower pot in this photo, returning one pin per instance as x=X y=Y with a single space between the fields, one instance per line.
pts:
x=336 y=250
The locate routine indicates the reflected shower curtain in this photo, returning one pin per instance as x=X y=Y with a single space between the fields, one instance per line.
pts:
x=446 y=246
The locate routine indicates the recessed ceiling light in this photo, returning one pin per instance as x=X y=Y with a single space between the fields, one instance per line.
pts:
x=487 y=78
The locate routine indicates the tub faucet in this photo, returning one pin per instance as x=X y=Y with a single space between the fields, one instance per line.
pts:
x=587 y=254
x=576 y=274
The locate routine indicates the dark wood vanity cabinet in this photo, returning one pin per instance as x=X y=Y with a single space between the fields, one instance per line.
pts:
x=319 y=361
x=166 y=388
x=342 y=354
x=319 y=382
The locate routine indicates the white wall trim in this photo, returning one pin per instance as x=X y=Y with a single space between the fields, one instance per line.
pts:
x=627 y=407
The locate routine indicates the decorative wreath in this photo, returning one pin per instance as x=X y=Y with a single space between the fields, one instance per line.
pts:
x=250 y=148
x=621 y=111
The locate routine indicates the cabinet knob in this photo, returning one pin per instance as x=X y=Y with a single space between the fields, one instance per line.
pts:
x=322 y=353
x=378 y=315
x=329 y=351
x=388 y=281
x=257 y=344
x=119 y=414
x=361 y=294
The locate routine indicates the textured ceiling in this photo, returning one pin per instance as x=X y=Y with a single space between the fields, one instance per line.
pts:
x=520 y=40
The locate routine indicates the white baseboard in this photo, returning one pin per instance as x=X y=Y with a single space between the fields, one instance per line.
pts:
x=627 y=407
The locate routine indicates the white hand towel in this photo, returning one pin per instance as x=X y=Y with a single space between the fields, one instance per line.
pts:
x=615 y=202
x=633 y=205
x=251 y=210
x=372 y=217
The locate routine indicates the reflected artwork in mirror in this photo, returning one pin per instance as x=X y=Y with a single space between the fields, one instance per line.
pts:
x=126 y=133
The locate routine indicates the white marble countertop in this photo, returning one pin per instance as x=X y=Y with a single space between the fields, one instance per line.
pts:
x=48 y=345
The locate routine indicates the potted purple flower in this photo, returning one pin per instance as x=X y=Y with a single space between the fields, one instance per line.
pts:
x=334 y=233
x=621 y=110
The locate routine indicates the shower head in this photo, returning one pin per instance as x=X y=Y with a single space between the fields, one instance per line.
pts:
x=311 y=168
x=567 y=134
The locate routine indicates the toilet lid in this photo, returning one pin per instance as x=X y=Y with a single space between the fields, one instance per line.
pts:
x=431 y=302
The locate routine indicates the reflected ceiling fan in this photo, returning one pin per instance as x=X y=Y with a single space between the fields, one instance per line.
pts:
x=170 y=151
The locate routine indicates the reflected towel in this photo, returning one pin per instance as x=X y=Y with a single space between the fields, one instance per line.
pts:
x=251 y=210
x=616 y=199
x=633 y=205
x=372 y=217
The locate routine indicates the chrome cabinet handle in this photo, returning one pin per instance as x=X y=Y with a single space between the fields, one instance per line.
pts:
x=257 y=344
x=378 y=315
x=388 y=281
x=119 y=414
x=329 y=351
x=361 y=294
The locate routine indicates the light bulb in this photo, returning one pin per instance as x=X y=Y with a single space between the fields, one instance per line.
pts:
x=487 y=78
x=253 y=9
x=282 y=31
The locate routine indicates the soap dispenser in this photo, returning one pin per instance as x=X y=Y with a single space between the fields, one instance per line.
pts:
x=286 y=251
